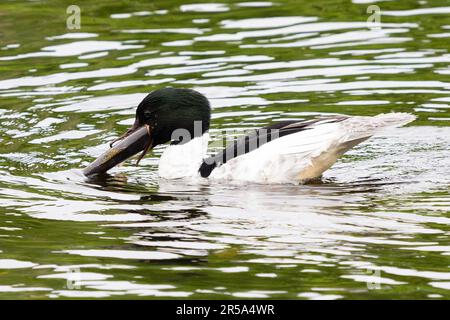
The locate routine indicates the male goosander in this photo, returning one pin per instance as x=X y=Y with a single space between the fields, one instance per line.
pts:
x=285 y=152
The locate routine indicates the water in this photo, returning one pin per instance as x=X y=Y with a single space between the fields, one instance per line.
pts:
x=377 y=226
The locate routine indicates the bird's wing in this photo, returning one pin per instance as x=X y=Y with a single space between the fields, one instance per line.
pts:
x=260 y=137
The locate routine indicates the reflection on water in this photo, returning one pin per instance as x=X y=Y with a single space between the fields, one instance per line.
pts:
x=377 y=226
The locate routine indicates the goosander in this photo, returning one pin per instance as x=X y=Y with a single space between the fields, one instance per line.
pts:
x=284 y=152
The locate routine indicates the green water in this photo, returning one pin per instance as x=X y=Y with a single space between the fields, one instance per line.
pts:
x=376 y=227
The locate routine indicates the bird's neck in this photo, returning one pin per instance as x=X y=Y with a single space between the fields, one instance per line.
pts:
x=183 y=160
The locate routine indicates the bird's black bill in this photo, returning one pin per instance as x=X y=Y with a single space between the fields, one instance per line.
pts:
x=131 y=144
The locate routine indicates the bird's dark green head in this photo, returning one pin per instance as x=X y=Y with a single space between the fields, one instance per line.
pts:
x=169 y=109
x=164 y=115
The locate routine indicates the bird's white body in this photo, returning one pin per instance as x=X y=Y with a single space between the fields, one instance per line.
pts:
x=183 y=160
x=293 y=158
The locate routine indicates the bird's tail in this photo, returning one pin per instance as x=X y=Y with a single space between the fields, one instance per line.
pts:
x=364 y=127
x=351 y=132
x=395 y=118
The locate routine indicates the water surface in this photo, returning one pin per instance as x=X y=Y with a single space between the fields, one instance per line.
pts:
x=377 y=226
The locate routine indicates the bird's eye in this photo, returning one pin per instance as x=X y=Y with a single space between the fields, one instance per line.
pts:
x=147 y=114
